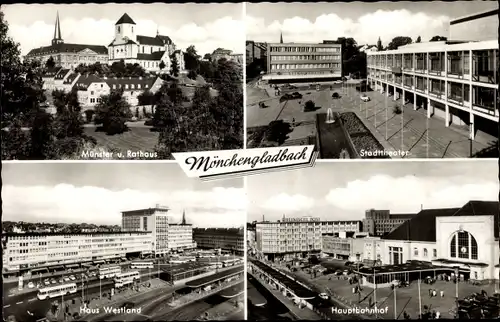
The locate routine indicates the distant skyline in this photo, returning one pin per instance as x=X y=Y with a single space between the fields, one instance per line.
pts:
x=345 y=190
x=363 y=21
x=205 y=26
x=98 y=192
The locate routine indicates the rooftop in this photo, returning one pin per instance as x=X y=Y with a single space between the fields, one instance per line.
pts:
x=67 y=48
x=74 y=234
x=125 y=19
x=215 y=277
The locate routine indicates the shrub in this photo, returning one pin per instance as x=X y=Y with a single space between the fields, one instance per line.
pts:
x=309 y=106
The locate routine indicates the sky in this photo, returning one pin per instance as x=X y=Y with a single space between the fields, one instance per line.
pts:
x=98 y=192
x=364 y=21
x=206 y=26
x=345 y=190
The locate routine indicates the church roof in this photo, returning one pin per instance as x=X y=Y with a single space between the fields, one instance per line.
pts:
x=125 y=19
x=151 y=41
x=67 y=48
x=157 y=55
x=165 y=39
x=129 y=42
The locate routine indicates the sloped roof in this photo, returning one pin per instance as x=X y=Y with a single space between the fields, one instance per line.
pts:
x=165 y=39
x=67 y=48
x=151 y=41
x=84 y=82
x=125 y=19
x=422 y=227
x=70 y=78
x=157 y=55
x=144 y=82
x=61 y=73
x=51 y=72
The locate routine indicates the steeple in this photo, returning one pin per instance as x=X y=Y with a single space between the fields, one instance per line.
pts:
x=183 y=217
x=281 y=37
x=57 y=32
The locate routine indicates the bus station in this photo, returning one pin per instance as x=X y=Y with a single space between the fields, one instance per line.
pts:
x=178 y=273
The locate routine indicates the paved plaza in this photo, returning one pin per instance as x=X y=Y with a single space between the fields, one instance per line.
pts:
x=409 y=131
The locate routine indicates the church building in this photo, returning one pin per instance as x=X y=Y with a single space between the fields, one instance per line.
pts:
x=149 y=52
x=68 y=55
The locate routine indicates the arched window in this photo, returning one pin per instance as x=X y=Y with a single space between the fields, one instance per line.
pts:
x=118 y=28
x=463 y=245
x=425 y=252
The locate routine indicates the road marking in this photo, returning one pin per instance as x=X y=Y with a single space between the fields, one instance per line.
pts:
x=6 y=305
x=20 y=302
x=31 y=300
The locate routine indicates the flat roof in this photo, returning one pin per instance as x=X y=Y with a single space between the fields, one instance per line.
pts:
x=430 y=47
x=295 y=287
x=310 y=222
x=182 y=268
x=313 y=44
x=233 y=291
x=402 y=268
x=75 y=234
x=215 y=277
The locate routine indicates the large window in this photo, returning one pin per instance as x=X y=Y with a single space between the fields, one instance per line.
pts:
x=395 y=255
x=436 y=86
x=436 y=62
x=455 y=63
x=455 y=91
x=463 y=245
x=484 y=97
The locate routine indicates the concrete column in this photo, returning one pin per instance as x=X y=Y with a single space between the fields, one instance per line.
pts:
x=471 y=127
x=471 y=99
x=414 y=101
x=429 y=108
x=387 y=90
x=447 y=118
x=403 y=97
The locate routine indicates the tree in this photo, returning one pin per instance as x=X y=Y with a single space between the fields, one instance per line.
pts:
x=207 y=56
x=137 y=112
x=162 y=65
x=41 y=137
x=112 y=113
x=309 y=106
x=379 y=45
x=398 y=42
x=89 y=115
x=192 y=75
x=438 y=38
x=419 y=39
x=191 y=58
x=50 y=63
x=174 y=66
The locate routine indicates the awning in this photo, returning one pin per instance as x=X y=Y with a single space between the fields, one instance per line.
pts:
x=72 y=265
x=36 y=270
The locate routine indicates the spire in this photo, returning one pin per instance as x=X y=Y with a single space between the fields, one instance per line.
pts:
x=57 y=31
x=183 y=217
x=157 y=30
x=281 y=37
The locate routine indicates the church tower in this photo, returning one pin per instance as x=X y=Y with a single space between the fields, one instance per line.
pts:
x=57 y=32
x=125 y=28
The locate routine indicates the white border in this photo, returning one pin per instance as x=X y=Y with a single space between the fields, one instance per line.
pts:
x=244 y=83
x=245 y=259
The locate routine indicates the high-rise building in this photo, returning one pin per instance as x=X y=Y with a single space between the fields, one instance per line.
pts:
x=68 y=55
x=456 y=79
x=382 y=222
x=166 y=235
x=290 y=237
x=255 y=50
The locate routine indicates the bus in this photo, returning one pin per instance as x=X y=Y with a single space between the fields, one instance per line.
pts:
x=123 y=279
x=57 y=290
x=141 y=265
x=110 y=271
x=229 y=262
x=215 y=265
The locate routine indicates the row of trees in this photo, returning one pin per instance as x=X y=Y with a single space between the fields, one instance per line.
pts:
x=403 y=40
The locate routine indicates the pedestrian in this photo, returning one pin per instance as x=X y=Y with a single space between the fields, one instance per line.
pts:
x=442 y=293
x=430 y=292
x=438 y=315
x=434 y=293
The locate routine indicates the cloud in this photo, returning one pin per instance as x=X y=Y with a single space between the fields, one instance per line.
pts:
x=407 y=194
x=219 y=207
x=288 y=203
x=365 y=30
x=225 y=32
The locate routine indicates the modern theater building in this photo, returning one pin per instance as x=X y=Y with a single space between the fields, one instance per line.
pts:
x=292 y=237
x=456 y=79
x=303 y=62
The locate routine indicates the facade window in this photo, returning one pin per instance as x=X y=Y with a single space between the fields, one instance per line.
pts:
x=395 y=255
x=415 y=251
x=425 y=252
x=118 y=28
x=91 y=92
x=463 y=245
x=145 y=223
x=434 y=253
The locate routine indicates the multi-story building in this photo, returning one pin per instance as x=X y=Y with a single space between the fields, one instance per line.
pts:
x=382 y=222
x=229 y=239
x=220 y=53
x=465 y=237
x=296 y=62
x=68 y=55
x=456 y=79
x=291 y=237
x=28 y=251
x=166 y=236
x=255 y=50
x=343 y=246
x=149 y=52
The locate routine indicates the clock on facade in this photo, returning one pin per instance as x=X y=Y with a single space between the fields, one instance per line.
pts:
x=463 y=250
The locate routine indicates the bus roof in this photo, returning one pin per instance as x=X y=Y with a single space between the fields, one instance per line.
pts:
x=56 y=287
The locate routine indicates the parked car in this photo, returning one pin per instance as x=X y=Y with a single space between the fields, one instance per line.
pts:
x=31 y=285
x=365 y=98
x=335 y=95
x=72 y=277
x=66 y=279
x=60 y=280
x=324 y=296
x=46 y=282
x=53 y=281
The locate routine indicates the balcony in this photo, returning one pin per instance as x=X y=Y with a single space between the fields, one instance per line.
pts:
x=456 y=98
x=397 y=70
